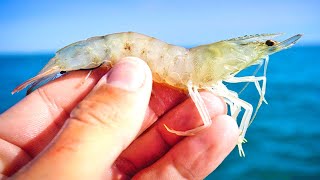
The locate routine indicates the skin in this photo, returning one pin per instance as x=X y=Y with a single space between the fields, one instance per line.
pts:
x=110 y=128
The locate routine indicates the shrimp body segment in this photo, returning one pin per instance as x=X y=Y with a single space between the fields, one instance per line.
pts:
x=202 y=67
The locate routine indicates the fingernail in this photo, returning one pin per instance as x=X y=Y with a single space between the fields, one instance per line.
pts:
x=128 y=74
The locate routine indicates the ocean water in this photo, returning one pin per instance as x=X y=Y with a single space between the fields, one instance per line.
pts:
x=283 y=141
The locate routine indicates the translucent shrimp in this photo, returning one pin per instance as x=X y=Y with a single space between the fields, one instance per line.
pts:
x=202 y=67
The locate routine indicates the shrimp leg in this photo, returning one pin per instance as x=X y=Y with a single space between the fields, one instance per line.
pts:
x=234 y=110
x=244 y=122
x=260 y=90
x=235 y=103
x=90 y=72
x=254 y=73
x=86 y=78
x=203 y=111
x=254 y=79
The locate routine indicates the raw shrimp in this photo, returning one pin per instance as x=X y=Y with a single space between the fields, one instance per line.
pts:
x=202 y=67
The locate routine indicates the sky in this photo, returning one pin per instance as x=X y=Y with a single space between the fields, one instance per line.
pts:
x=31 y=25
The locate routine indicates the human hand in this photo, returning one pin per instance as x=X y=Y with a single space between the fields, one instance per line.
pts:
x=104 y=129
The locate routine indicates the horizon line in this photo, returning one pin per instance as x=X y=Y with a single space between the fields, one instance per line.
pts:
x=50 y=51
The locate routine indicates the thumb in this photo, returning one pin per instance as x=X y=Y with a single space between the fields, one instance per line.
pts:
x=100 y=127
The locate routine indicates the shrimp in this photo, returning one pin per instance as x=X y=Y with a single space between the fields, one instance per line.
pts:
x=204 y=67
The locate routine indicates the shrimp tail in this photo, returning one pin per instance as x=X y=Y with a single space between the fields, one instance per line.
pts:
x=37 y=80
x=42 y=82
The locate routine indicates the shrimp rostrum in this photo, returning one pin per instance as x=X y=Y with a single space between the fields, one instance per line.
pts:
x=204 y=67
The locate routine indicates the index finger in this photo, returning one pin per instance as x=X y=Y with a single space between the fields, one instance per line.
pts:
x=34 y=121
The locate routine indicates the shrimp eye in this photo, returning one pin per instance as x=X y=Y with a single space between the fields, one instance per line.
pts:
x=62 y=72
x=270 y=42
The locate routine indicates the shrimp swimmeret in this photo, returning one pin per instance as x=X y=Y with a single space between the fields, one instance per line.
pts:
x=202 y=67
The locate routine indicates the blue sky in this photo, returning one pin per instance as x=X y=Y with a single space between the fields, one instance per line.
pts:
x=49 y=25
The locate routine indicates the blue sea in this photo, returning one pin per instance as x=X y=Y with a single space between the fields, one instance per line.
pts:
x=284 y=139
